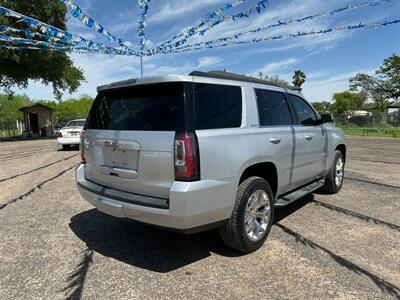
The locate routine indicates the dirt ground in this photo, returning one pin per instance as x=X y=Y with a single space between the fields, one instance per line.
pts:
x=54 y=245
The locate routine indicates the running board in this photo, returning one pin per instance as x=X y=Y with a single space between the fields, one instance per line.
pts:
x=293 y=196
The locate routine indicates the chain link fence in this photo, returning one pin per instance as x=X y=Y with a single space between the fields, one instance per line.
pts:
x=370 y=123
x=11 y=129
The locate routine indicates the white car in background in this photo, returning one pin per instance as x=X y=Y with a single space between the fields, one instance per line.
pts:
x=70 y=134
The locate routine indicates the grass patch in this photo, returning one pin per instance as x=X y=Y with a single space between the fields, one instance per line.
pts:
x=373 y=132
x=11 y=133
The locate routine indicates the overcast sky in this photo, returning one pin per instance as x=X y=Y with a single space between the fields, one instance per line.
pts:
x=328 y=60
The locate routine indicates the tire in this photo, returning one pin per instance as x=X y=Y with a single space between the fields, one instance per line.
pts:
x=234 y=232
x=331 y=185
x=65 y=147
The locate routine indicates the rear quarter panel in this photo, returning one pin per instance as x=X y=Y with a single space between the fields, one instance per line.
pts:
x=335 y=138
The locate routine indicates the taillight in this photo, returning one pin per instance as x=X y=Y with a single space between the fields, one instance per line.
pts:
x=82 y=146
x=59 y=134
x=186 y=157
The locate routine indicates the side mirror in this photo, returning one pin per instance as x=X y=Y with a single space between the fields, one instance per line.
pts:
x=326 y=118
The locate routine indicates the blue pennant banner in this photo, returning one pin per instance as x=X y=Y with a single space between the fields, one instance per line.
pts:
x=76 y=12
x=277 y=24
x=28 y=48
x=79 y=42
x=207 y=22
x=4 y=29
x=29 y=42
x=285 y=36
x=144 y=5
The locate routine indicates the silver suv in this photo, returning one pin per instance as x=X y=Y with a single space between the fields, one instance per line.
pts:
x=206 y=150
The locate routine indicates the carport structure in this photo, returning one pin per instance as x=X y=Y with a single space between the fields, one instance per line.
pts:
x=38 y=119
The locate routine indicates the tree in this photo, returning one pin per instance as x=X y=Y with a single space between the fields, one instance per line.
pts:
x=273 y=79
x=298 y=78
x=348 y=101
x=9 y=110
x=70 y=109
x=384 y=87
x=322 y=107
x=18 y=66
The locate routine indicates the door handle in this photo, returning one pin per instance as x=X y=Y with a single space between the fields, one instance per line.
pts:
x=275 y=140
x=309 y=137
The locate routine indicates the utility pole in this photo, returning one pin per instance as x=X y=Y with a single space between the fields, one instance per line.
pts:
x=141 y=66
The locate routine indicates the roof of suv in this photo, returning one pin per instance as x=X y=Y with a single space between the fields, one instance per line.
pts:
x=211 y=74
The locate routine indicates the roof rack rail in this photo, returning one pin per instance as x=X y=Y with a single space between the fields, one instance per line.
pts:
x=237 y=77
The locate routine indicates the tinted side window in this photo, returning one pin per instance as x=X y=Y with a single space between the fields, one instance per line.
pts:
x=272 y=108
x=305 y=114
x=217 y=106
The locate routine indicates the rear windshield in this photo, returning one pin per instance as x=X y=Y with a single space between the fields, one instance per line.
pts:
x=76 y=124
x=152 y=107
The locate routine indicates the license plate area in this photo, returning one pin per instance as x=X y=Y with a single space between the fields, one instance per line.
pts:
x=73 y=134
x=120 y=158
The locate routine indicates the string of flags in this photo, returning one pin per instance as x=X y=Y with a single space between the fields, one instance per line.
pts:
x=213 y=19
x=190 y=31
x=277 y=24
x=144 y=5
x=44 y=37
x=79 y=43
x=293 y=35
x=76 y=12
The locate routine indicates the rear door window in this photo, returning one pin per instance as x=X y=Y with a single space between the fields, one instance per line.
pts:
x=217 y=106
x=303 y=111
x=273 y=108
x=153 y=107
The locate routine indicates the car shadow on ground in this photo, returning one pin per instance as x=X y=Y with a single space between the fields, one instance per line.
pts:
x=163 y=251
x=152 y=248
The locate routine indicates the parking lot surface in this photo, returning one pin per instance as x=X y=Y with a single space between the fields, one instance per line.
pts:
x=54 y=245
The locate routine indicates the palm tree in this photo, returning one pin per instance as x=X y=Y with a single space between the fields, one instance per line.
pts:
x=298 y=78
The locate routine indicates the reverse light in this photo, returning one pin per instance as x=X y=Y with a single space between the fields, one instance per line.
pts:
x=186 y=157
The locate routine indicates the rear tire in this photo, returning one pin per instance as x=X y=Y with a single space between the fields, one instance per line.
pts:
x=252 y=216
x=65 y=147
x=334 y=180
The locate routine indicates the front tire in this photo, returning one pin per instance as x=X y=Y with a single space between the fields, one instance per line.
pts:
x=334 y=180
x=252 y=216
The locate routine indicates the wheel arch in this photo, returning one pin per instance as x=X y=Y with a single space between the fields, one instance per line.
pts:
x=265 y=170
x=342 y=148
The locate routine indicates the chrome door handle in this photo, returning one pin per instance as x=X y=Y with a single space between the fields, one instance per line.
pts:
x=275 y=140
x=308 y=137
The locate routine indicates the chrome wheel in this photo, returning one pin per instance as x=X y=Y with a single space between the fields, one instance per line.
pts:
x=339 y=171
x=257 y=215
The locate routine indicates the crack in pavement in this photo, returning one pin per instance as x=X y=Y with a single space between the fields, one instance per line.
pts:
x=32 y=151
x=39 y=186
x=381 y=283
x=376 y=161
x=356 y=215
x=373 y=182
x=37 y=169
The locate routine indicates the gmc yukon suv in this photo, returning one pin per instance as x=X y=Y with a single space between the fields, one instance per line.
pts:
x=206 y=150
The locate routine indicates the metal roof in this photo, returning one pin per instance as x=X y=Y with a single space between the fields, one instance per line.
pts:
x=34 y=105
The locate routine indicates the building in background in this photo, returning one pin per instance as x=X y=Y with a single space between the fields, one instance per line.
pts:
x=38 y=119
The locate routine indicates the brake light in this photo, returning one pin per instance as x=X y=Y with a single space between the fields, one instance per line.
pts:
x=186 y=157
x=59 y=134
x=82 y=146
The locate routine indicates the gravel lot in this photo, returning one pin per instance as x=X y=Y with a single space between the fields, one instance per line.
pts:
x=54 y=245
